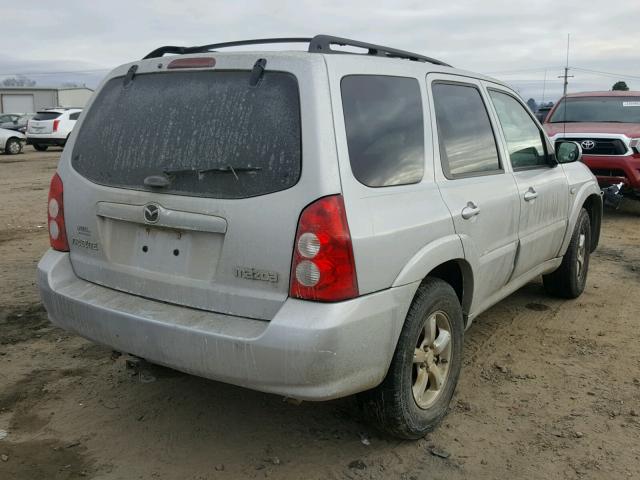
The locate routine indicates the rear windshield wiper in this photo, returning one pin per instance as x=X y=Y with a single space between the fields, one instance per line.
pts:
x=164 y=180
x=226 y=169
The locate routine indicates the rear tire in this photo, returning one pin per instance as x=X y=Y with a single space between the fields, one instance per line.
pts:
x=13 y=146
x=414 y=397
x=569 y=280
x=40 y=148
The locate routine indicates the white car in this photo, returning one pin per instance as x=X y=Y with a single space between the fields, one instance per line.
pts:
x=51 y=127
x=11 y=141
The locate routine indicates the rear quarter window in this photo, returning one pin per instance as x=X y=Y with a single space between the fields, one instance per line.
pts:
x=210 y=133
x=385 y=129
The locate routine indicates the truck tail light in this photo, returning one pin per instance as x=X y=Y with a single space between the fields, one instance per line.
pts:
x=55 y=125
x=55 y=214
x=323 y=267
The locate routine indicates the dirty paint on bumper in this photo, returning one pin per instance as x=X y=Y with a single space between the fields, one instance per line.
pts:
x=309 y=351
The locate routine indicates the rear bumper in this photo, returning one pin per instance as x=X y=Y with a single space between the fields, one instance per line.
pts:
x=309 y=351
x=611 y=170
x=45 y=140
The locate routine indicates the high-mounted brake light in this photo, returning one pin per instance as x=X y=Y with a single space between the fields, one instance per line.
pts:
x=323 y=267
x=55 y=215
x=56 y=122
x=197 y=62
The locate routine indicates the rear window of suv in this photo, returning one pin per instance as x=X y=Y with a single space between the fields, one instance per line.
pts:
x=385 y=129
x=210 y=134
x=46 y=115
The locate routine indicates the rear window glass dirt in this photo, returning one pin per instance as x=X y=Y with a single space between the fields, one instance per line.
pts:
x=209 y=134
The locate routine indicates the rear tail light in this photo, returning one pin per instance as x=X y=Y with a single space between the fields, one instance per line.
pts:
x=55 y=214
x=323 y=268
x=55 y=125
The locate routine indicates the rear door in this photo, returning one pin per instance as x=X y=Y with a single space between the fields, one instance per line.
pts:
x=186 y=185
x=542 y=186
x=475 y=182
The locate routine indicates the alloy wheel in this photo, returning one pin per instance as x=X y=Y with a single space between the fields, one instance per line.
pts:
x=431 y=359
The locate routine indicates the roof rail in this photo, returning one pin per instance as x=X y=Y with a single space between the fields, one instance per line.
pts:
x=317 y=44
x=322 y=44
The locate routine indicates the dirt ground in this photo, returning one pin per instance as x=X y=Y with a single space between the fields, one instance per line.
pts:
x=550 y=389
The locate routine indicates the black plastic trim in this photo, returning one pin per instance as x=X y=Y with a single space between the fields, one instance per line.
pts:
x=317 y=44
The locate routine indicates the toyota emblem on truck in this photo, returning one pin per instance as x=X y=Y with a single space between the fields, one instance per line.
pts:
x=588 y=144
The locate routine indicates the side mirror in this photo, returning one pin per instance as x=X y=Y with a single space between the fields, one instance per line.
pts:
x=568 y=152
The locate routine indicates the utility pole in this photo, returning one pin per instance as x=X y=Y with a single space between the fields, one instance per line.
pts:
x=566 y=75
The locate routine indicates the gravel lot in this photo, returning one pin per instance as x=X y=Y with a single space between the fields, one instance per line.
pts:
x=550 y=389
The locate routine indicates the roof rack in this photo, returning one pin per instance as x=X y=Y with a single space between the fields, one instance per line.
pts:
x=317 y=44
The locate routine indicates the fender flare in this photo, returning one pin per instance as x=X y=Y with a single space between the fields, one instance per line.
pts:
x=429 y=257
x=586 y=191
x=433 y=255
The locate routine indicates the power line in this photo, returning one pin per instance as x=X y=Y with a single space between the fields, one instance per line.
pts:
x=607 y=74
x=525 y=70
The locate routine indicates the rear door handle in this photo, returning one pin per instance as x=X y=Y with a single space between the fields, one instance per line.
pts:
x=471 y=210
x=531 y=194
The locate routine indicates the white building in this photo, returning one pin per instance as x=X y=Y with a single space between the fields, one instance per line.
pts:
x=32 y=99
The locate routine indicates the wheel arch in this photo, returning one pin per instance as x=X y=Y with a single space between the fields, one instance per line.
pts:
x=590 y=198
x=593 y=206
x=457 y=273
x=13 y=137
x=443 y=258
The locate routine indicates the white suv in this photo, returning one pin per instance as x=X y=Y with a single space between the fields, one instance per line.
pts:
x=51 y=127
x=310 y=224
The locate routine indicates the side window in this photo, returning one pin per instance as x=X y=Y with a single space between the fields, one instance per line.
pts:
x=74 y=116
x=524 y=139
x=466 y=139
x=385 y=129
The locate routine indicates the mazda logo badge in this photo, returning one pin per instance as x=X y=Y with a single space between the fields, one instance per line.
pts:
x=151 y=213
x=588 y=144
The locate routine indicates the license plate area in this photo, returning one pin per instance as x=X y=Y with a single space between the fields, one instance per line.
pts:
x=162 y=251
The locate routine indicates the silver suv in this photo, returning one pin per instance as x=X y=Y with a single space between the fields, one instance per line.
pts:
x=310 y=224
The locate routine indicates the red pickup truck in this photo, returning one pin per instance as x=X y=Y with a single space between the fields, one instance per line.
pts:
x=607 y=127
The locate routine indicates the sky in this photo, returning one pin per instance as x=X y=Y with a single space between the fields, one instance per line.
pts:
x=519 y=42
